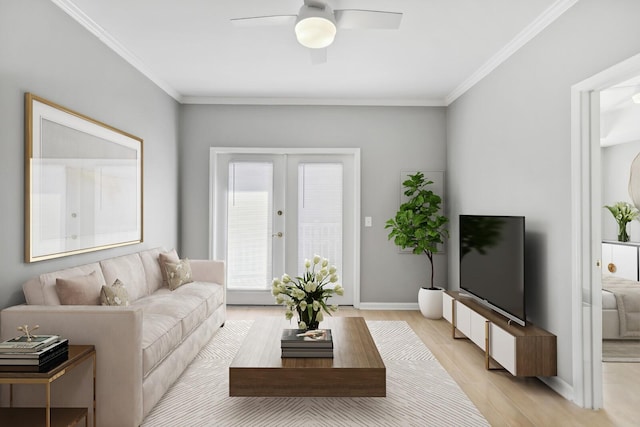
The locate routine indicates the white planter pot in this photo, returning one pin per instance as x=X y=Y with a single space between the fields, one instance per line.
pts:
x=430 y=302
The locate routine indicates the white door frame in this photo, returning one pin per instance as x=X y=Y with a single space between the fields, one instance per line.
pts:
x=586 y=232
x=214 y=152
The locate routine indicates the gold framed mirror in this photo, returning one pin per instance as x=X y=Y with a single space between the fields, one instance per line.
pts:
x=83 y=183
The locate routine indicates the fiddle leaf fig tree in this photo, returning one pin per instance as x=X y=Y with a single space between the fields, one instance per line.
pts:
x=418 y=224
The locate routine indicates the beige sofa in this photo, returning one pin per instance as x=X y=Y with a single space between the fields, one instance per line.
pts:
x=141 y=349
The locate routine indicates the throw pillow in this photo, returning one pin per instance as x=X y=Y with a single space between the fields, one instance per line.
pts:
x=165 y=257
x=115 y=294
x=178 y=273
x=79 y=290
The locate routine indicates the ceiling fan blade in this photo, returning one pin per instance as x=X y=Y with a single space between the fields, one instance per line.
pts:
x=264 y=21
x=318 y=56
x=315 y=3
x=355 y=19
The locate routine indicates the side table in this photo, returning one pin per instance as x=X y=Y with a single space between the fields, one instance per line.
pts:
x=51 y=416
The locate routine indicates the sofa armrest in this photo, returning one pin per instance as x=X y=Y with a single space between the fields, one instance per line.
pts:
x=116 y=333
x=204 y=270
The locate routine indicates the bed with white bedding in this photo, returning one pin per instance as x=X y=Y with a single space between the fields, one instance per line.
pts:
x=620 y=308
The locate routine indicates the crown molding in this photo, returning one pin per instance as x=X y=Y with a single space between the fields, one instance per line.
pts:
x=374 y=102
x=83 y=19
x=547 y=17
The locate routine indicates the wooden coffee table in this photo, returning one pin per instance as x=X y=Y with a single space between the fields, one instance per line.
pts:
x=355 y=370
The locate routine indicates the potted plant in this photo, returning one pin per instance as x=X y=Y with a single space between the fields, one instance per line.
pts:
x=623 y=212
x=418 y=225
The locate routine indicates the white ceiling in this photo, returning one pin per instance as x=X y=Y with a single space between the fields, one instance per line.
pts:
x=619 y=116
x=191 y=50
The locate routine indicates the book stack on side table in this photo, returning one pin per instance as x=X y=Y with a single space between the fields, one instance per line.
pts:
x=41 y=354
x=300 y=343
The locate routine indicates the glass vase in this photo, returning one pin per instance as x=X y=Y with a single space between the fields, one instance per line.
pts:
x=622 y=232
x=308 y=319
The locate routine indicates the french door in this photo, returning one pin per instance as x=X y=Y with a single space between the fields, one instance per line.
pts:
x=272 y=210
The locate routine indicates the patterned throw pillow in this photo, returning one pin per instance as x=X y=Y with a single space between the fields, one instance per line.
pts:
x=178 y=273
x=114 y=295
x=165 y=257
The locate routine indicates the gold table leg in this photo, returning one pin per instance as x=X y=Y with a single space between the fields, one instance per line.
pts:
x=487 y=355
x=94 y=391
x=48 y=410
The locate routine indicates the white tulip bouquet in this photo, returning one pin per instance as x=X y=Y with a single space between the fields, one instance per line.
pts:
x=307 y=295
x=623 y=212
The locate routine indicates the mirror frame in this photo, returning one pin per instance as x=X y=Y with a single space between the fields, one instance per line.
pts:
x=83 y=183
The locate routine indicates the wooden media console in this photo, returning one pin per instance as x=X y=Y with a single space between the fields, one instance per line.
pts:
x=524 y=351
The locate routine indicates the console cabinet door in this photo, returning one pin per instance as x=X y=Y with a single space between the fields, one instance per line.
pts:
x=447 y=309
x=477 y=326
x=620 y=260
x=463 y=319
x=502 y=347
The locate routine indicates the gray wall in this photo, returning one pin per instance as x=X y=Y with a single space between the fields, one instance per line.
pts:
x=44 y=51
x=508 y=147
x=508 y=142
x=616 y=164
x=391 y=139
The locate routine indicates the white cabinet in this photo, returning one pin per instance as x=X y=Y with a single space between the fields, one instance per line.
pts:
x=447 y=307
x=620 y=260
x=467 y=321
x=522 y=350
x=463 y=319
x=502 y=347
x=471 y=324
x=478 y=329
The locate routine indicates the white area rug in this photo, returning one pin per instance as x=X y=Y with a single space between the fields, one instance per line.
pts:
x=419 y=391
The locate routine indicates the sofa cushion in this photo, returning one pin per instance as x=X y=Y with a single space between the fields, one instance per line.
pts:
x=152 y=269
x=168 y=318
x=115 y=294
x=79 y=290
x=42 y=290
x=129 y=270
x=161 y=334
x=212 y=293
x=189 y=310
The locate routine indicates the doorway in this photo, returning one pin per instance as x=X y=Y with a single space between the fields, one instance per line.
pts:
x=586 y=231
x=273 y=208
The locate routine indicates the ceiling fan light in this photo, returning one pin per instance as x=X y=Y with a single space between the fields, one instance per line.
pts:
x=636 y=98
x=315 y=27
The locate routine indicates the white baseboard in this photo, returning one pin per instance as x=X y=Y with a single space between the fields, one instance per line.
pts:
x=559 y=386
x=388 y=306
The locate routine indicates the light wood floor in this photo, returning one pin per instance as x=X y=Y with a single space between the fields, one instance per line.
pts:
x=504 y=400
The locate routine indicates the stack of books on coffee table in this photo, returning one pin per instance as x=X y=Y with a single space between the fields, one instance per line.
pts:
x=39 y=354
x=313 y=343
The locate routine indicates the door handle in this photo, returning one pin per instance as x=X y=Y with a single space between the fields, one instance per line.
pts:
x=278 y=234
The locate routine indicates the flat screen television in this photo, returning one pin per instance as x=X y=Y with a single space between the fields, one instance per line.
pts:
x=492 y=263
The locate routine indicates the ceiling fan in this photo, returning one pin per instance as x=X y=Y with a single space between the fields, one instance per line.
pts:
x=316 y=24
